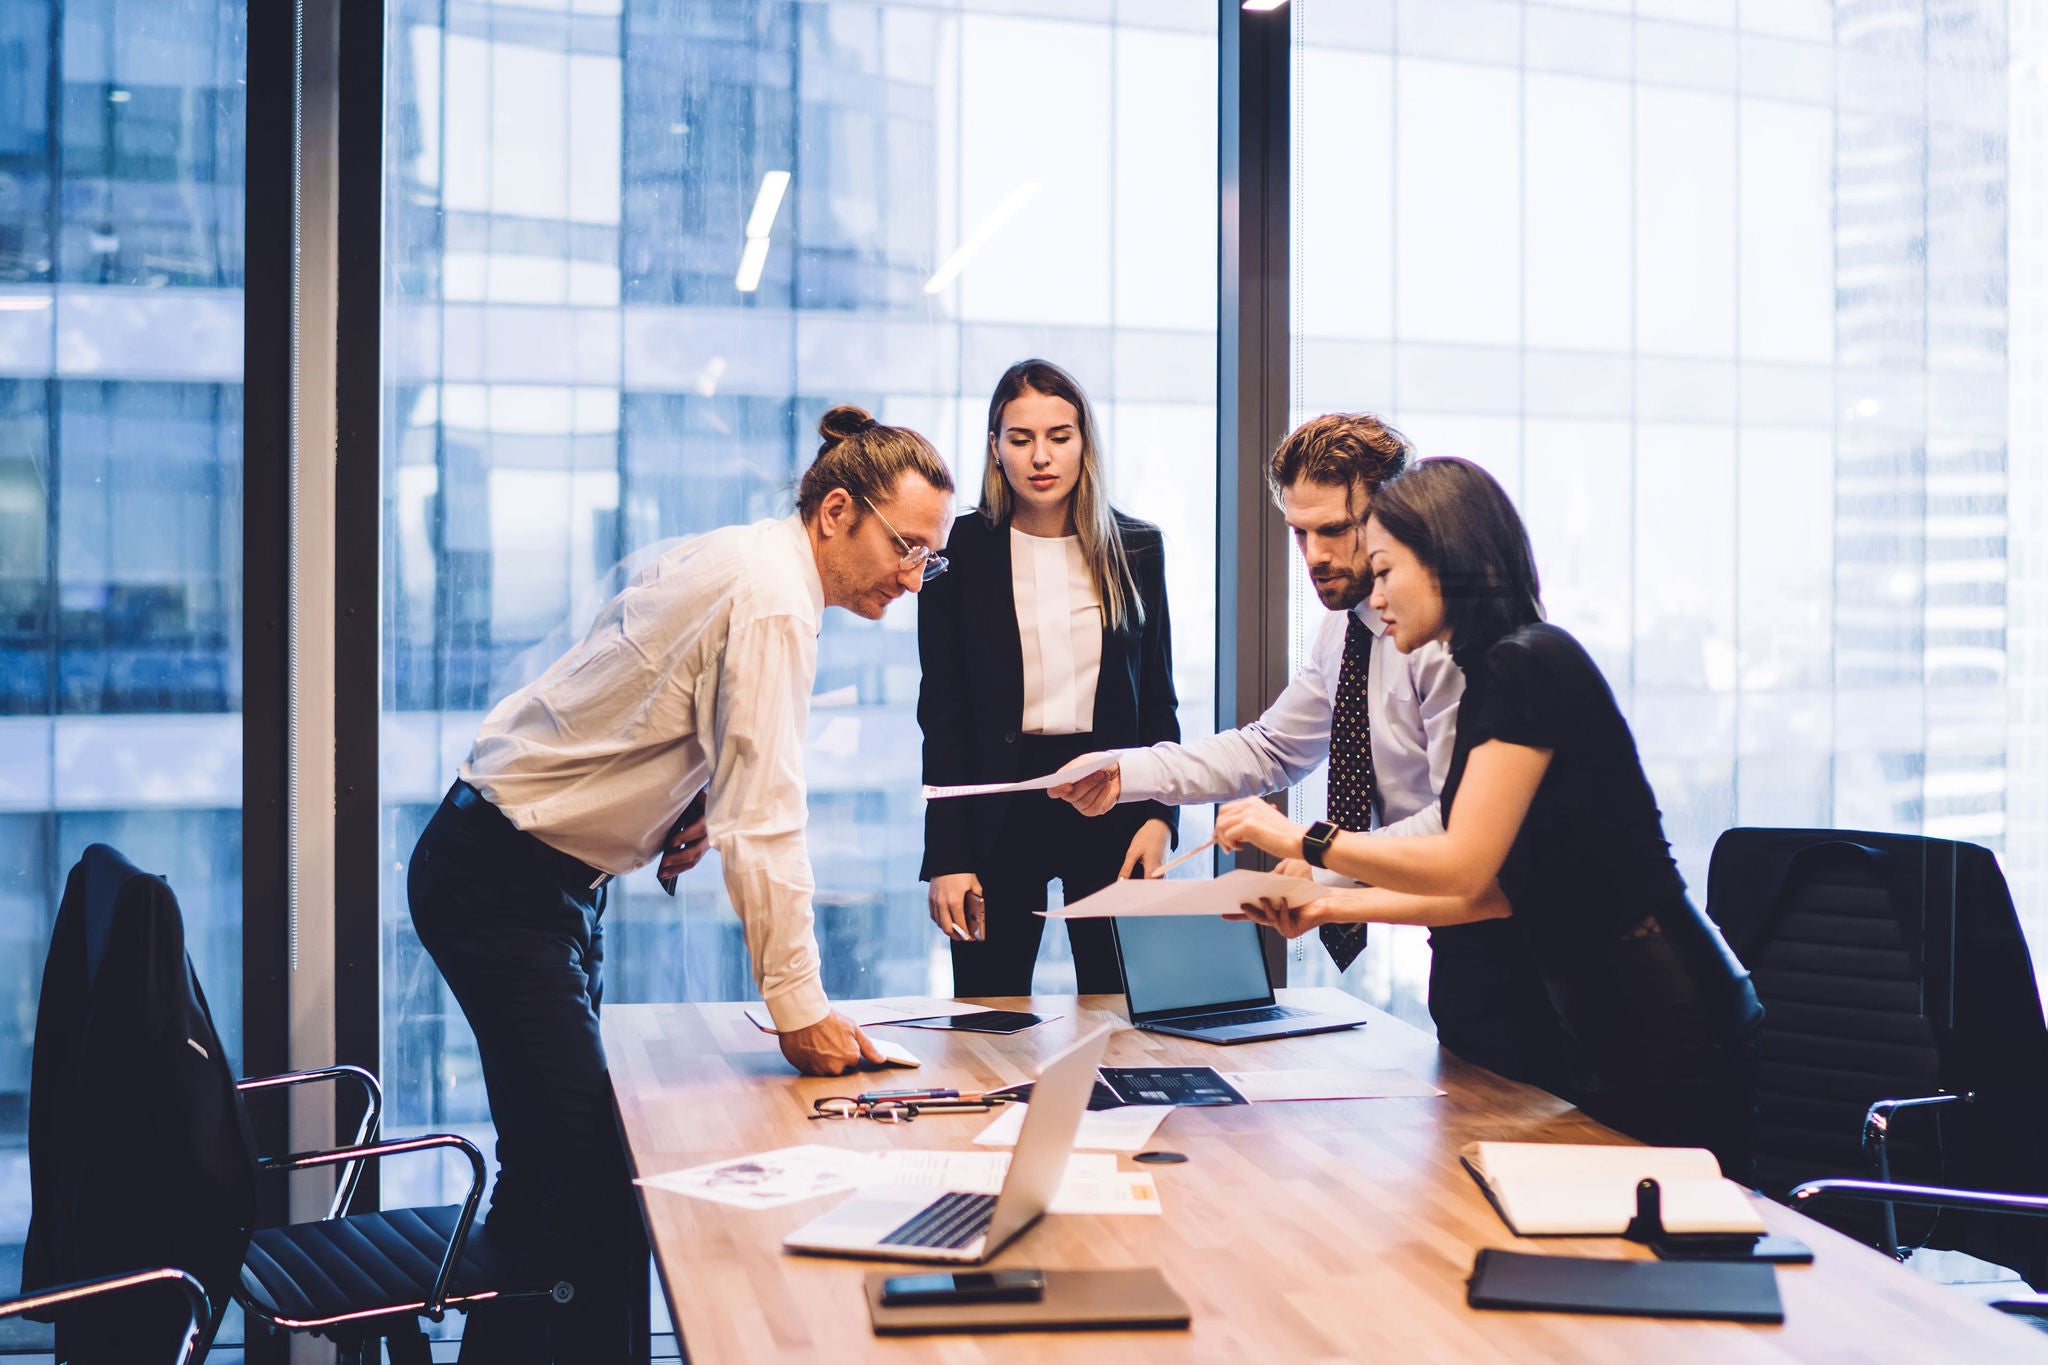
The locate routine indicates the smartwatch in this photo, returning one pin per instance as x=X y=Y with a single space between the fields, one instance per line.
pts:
x=1316 y=842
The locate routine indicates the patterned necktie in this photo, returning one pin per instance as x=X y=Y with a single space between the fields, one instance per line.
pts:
x=1351 y=787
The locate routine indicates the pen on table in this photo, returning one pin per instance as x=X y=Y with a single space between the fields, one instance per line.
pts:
x=948 y=1097
x=1209 y=842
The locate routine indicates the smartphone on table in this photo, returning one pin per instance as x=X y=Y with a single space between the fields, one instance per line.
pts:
x=964 y=1286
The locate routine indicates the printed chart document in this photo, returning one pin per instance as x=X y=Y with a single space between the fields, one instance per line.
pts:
x=1073 y=772
x=1222 y=895
x=1091 y=1183
x=1328 y=1083
x=1569 y=1189
x=1127 y=1129
x=769 y=1179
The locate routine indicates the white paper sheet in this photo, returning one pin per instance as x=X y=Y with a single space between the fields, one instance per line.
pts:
x=883 y=1010
x=1222 y=895
x=1073 y=772
x=1102 y=1130
x=1090 y=1184
x=769 y=1179
x=1327 y=1083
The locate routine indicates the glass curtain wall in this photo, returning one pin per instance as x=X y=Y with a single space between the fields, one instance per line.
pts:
x=611 y=322
x=1718 y=291
x=121 y=189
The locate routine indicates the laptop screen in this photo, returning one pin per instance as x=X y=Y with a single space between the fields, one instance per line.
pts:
x=1181 y=964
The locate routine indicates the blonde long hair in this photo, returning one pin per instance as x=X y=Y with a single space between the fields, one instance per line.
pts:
x=1102 y=549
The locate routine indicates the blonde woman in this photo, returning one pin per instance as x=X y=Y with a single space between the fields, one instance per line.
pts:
x=1048 y=639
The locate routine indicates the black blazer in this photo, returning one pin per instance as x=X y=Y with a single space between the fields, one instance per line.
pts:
x=971 y=701
x=138 y=1151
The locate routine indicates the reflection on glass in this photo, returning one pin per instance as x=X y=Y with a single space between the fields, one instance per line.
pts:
x=121 y=263
x=574 y=377
x=1722 y=298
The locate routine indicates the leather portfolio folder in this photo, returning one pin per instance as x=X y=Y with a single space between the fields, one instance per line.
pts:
x=1074 y=1300
x=1743 y=1291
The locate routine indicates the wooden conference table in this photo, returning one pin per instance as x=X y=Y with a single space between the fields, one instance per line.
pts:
x=1339 y=1230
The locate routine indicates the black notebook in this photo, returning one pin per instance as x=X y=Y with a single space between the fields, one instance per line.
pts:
x=1105 y=1300
x=1742 y=1291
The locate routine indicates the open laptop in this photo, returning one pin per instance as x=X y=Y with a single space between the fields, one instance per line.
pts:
x=1204 y=977
x=909 y=1223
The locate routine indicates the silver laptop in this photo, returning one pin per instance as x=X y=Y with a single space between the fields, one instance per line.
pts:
x=910 y=1223
x=1204 y=977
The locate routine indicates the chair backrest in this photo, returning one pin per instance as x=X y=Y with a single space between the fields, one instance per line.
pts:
x=1888 y=966
x=139 y=1151
x=1844 y=1019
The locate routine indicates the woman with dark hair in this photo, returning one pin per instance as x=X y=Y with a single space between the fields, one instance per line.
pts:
x=1548 y=821
x=1046 y=641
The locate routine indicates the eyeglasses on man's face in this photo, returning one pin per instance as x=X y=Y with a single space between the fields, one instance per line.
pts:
x=919 y=557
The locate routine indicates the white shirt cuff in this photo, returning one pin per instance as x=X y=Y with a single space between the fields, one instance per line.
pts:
x=1141 y=773
x=799 y=1006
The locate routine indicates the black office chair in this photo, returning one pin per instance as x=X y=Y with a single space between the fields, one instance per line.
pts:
x=191 y=1291
x=1889 y=1194
x=139 y=1143
x=1895 y=983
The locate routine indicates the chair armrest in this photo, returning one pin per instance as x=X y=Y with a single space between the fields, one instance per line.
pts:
x=198 y=1312
x=366 y=1131
x=1877 y=1123
x=300 y=1161
x=1926 y=1196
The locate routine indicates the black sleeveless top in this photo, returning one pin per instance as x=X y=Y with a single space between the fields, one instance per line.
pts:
x=1591 y=861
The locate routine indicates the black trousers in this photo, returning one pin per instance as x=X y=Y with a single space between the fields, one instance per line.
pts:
x=514 y=927
x=1043 y=841
x=1488 y=1000
x=1664 y=1043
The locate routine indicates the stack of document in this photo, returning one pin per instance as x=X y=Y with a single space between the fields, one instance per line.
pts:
x=1126 y=1128
x=1564 y=1189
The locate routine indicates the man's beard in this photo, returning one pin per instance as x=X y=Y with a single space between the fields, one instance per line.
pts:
x=1349 y=591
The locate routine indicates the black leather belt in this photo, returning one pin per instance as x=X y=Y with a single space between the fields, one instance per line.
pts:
x=574 y=873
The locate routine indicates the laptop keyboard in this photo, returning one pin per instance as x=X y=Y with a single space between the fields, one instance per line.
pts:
x=1265 y=1014
x=950 y=1221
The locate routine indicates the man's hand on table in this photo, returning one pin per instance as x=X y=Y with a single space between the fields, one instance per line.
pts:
x=831 y=1047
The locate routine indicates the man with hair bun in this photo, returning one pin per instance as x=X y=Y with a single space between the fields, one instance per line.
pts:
x=676 y=725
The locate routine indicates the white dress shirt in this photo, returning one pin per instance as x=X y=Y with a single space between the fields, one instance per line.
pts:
x=1411 y=705
x=1059 y=626
x=699 y=672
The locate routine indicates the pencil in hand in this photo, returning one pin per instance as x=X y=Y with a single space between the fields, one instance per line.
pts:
x=1207 y=843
